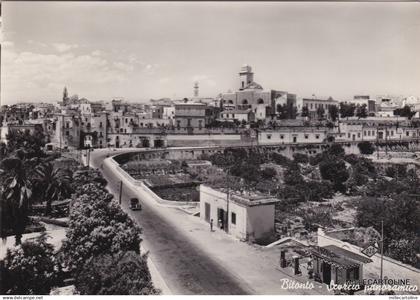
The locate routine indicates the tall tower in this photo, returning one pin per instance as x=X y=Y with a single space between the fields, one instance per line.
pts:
x=196 y=89
x=65 y=96
x=246 y=76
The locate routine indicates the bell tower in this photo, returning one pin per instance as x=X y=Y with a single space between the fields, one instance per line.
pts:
x=246 y=76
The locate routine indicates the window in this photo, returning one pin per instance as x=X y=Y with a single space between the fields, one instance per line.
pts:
x=317 y=136
x=358 y=134
x=281 y=136
x=269 y=136
x=348 y=135
x=364 y=132
x=306 y=136
x=67 y=133
x=407 y=133
x=100 y=124
x=233 y=218
x=373 y=133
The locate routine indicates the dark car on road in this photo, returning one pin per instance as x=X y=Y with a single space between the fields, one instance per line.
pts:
x=134 y=204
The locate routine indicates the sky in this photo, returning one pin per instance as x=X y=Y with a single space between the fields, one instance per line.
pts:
x=140 y=50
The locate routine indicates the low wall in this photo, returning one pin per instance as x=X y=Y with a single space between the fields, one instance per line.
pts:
x=392 y=269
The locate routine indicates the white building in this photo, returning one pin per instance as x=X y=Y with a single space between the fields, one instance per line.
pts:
x=240 y=115
x=298 y=135
x=251 y=216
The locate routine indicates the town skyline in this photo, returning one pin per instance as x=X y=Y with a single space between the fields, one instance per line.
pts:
x=359 y=48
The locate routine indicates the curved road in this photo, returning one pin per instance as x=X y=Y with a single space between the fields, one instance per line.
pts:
x=180 y=263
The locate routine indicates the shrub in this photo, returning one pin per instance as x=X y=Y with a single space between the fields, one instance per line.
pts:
x=334 y=171
x=125 y=273
x=301 y=158
x=97 y=225
x=336 y=150
x=366 y=147
x=268 y=173
x=316 y=159
x=30 y=268
x=280 y=159
x=292 y=175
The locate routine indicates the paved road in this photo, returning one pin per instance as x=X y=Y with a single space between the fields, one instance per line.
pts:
x=181 y=264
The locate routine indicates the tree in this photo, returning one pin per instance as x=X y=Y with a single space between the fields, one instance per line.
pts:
x=15 y=197
x=347 y=110
x=333 y=112
x=366 y=147
x=399 y=211
x=320 y=112
x=125 y=273
x=335 y=171
x=55 y=183
x=361 y=111
x=336 y=150
x=305 y=111
x=30 y=268
x=404 y=249
x=97 y=226
x=268 y=173
x=292 y=176
x=405 y=112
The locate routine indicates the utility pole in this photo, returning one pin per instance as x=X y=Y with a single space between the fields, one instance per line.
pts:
x=227 y=200
x=121 y=186
x=382 y=251
x=377 y=142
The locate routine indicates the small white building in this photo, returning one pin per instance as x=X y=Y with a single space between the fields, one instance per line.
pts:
x=240 y=115
x=245 y=216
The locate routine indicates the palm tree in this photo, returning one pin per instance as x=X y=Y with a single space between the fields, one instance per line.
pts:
x=15 y=197
x=56 y=183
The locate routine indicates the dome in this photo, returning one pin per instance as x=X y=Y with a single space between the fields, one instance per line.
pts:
x=254 y=86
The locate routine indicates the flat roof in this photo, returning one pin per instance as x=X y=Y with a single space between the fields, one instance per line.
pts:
x=247 y=198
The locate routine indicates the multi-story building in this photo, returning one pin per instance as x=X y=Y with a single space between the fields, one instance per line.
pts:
x=293 y=135
x=251 y=95
x=190 y=115
x=238 y=115
x=314 y=104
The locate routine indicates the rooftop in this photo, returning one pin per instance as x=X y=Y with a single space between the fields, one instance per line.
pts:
x=248 y=198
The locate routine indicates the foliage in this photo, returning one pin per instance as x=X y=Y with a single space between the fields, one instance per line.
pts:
x=293 y=176
x=347 y=110
x=305 y=111
x=280 y=159
x=301 y=158
x=366 y=147
x=317 y=216
x=400 y=214
x=32 y=143
x=361 y=111
x=98 y=225
x=404 y=250
x=404 y=112
x=30 y=268
x=125 y=273
x=320 y=112
x=333 y=112
x=55 y=183
x=335 y=171
x=15 y=197
x=336 y=150
x=268 y=173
